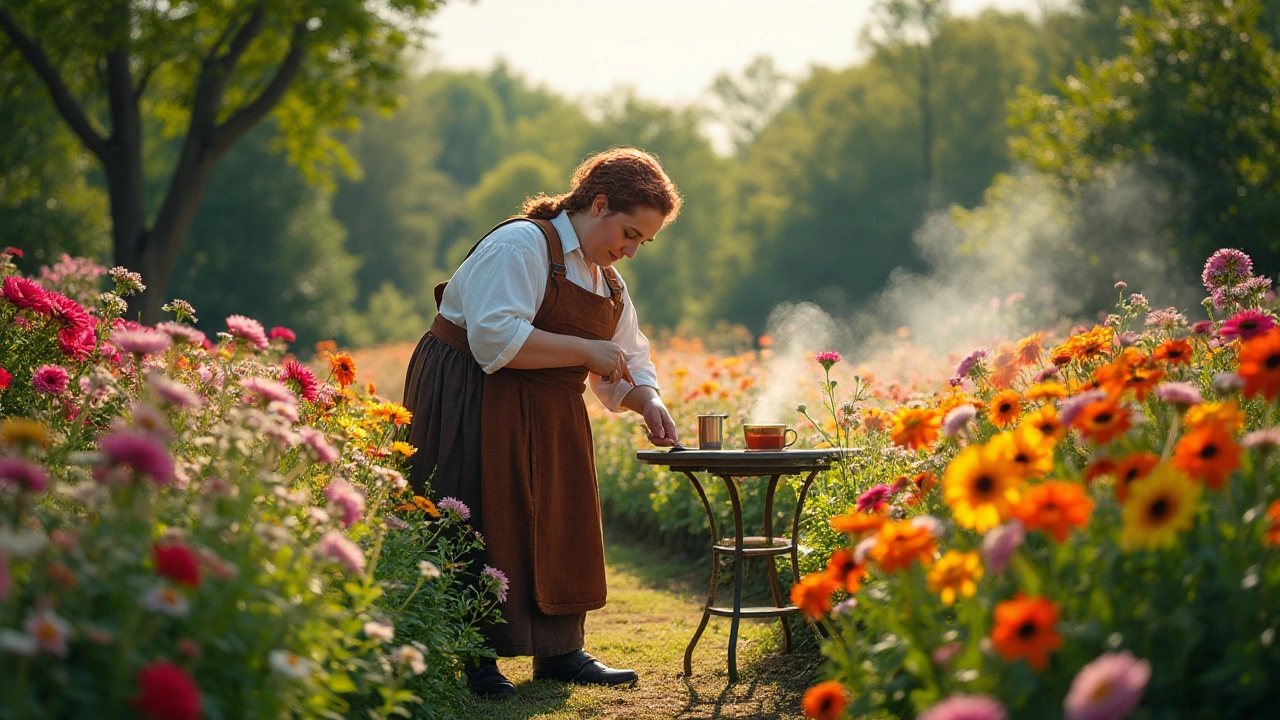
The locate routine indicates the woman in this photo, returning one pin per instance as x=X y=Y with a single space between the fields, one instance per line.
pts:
x=534 y=313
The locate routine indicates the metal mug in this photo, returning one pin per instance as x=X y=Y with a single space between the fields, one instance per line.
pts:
x=711 y=431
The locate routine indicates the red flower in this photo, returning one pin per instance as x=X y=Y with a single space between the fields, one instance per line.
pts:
x=178 y=563
x=6 y=377
x=11 y=250
x=167 y=692
x=283 y=333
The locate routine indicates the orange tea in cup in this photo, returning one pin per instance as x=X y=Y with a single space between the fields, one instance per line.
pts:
x=768 y=436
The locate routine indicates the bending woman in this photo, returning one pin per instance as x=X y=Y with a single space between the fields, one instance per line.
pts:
x=534 y=313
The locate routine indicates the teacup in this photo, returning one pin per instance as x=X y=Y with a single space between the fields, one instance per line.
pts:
x=768 y=436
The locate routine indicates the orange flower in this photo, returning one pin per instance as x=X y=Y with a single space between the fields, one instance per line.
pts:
x=1054 y=507
x=845 y=571
x=914 y=489
x=825 y=701
x=1025 y=629
x=1085 y=346
x=1046 y=390
x=1004 y=366
x=1030 y=452
x=1103 y=420
x=1130 y=371
x=915 y=428
x=856 y=523
x=874 y=419
x=898 y=543
x=1004 y=409
x=1045 y=420
x=1260 y=364
x=391 y=412
x=343 y=367
x=426 y=506
x=1226 y=413
x=1130 y=468
x=1272 y=535
x=813 y=594
x=1174 y=352
x=1029 y=348
x=1208 y=453
x=1098 y=468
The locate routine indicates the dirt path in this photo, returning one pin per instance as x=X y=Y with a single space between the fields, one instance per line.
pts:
x=654 y=607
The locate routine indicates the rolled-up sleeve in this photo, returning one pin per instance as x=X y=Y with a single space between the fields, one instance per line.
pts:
x=505 y=282
x=635 y=346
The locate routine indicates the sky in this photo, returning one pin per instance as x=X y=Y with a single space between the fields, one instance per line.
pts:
x=667 y=50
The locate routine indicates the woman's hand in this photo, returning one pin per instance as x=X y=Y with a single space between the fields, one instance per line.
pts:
x=607 y=360
x=658 y=422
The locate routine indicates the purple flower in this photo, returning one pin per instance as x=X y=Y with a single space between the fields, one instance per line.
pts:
x=827 y=359
x=1127 y=339
x=1108 y=688
x=31 y=478
x=455 y=505
x=498 y=577
x=315 y=440
x=956 y=419
x=1000 y=543
x=1246 y=324
x=1168 y=318
x=249 y=329
x=967 y=364
x=946 y=653
x=966 y=707
x=1072 y=406
x=50 y=379
x=348 y=498
x=341 y=550
x=142 y=341
x=139 y=453
x=1045 y=374
x=873 y=499
x=1181 y=394
x=1265 y=440
x=1204 y=327
x=845 y=606
x=1226 y=267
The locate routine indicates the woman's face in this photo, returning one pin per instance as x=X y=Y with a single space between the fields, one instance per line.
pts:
x=610 y=236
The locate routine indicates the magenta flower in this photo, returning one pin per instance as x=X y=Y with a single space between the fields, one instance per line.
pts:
x=142 y=341
x=875 y=498
x=966 y=707
x=50 y=379
x=1246 y=324
x=455 y=505
x=342 y=551
x=999 y=545
x=1045 y=374
x=1204 y=327
x=1108 y=688
x=174 y=393
x=315 y=440
x=248 y=329
x=1072 y=406
x=827 y=359
x=31 y=478
x=967 y=364
x=1226 y=267
x=308 y=386
x=500 y=578
x=26 y=294
x=348 y=498
x=77 y=342
x=142 y=454
x=282 y=333
x=68 y=312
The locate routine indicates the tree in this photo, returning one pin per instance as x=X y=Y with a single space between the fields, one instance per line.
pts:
x=210 y=72
x=745 y=105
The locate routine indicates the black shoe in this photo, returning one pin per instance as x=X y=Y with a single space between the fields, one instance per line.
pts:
x=579 y=667
x=487 y=680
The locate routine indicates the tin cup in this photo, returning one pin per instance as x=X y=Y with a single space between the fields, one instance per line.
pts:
x=711 y=431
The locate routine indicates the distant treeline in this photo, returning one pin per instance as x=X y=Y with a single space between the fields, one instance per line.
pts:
x=831 y=173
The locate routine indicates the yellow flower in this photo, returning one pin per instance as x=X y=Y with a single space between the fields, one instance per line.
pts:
x=1031 y=451
x=955 y=573
x=392 y=413
x=403 y=448
x=981 y=486
x=1160 y=506
x=23 y=430
x=1226 y=413
x=1045 y=421
x=426 y=506
x=1046 y=391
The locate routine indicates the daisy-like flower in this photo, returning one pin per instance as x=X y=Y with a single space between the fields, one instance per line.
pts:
x=1263 y=440
x=955 y=574
x=1054 y=507
x=1226 y=413
x=282 y=333
x=1044 y=420
x=141 y=454
x=24 y=475
x=1072 y=406
x=899 y=543
x=385 y=632
x=426 y=506
x=1025 y=629
x=392 y=412
x=1131 y=468
x=429 y=570
x=1246 y=324
x=1173 y=352
x=1000 y=543
x=1004 y=408
x=1160 y=507
x=956 y=419
x=410 y=657
x=295 y=372
x=346 y=497
x=827 y=359
x=966 y=707
x=455 y=505
x=166 y=601
x=23 y=431
x=845 y=570
x=813 y=594
x=343 y=368
x=1108 y=688
x=142 y=341
x=1029 y=348
x=825 y=701
x=404 y=448
x=915 y=428
x=1029 y=449
x=1208 y=453
x=341 y=550
x=27 y=294
x=1225 y=267
x=184 y=334
x=857 y=524
x=500 y=578
x=1103 y=420
x=1048 y=390
x=290 y=665
x=49 y=631
x=981 y=485
x=873 y=499
x=50 y=379
x=249 y=330
x=1272 y=534
x=1260 y=365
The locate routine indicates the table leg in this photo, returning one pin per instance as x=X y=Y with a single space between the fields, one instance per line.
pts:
x=795 y=525
x=773 y=567
x=737 y=575
x=715 y=576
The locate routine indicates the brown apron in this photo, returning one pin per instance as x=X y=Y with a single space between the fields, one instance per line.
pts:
x=516 y=446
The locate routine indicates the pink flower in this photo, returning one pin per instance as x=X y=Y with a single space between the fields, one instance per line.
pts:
x=946 y=653
x=177 y=562
x=283 y=333
x=31 y=478
x=966 y=707
x=315 y=440
x=1204 y=327
x=827 y=359
x=455 y=505
x=249 y=329
x=1072 y=406
x=1246 y=324
x=139 y=453
x=956 y=419
x=49 y=631
x=1226 y=267
x=174 y=393
x=500 y=578
x=268 y=389
x=143 y=341
x=1266 y=439
x=182 y=333
x=50 y=379
x=77 y=342
x=26 y=294
x=341 y=550
x=999 y=545
x=348 y=498
x=875 y=498
x=6 y=378
x=1180 y=394
x=308 y=386
x=1108 y=688
x=68 y=312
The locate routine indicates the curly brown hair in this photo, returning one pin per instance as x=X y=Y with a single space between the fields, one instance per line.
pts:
x=629 y=177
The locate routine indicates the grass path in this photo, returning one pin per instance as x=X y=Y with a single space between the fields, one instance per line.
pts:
x=654 y=606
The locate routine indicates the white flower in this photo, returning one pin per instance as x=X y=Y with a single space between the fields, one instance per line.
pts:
x=429 y=570
x=380 y=631
x=289 y=665
x=411 y=656
x=23 y=544
x=166 y=600
x=12 y=641
x=48 y=631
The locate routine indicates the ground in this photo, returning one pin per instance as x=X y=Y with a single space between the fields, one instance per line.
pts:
x=655 y=603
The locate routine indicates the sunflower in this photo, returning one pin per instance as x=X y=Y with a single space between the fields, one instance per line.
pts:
x=857 y=524
x=1130 y=468
x=1226 y=413
x=1004 y=409
x=813 y=594
x=1103 y=420
x=845 y=571
x=825 y=701
x=1054 y=507
x=1260 y=364
x=343 y=368
x=955 y=573
x=1160 y=506
x=1030 y=451
x=1208 y=453
x=1045 y=420
x=981 y=484
x=900 y=542
x=915 y=428
x=403 y=448
x=1173 y=352
x=1025 y=629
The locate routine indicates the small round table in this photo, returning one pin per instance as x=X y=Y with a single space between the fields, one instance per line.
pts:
x=729 y=466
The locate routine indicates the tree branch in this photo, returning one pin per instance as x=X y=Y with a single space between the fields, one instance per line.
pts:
x=142 y=82
x=62 y=98
x=245 y=35
x=249 y=115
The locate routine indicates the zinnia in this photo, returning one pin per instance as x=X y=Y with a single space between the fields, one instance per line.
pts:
x=915 y=428
x=825 y=701
x=1260 y=365
x=1208 y=453
x=346 y=553
x=813 y=594
x=31 y=478
x=177 y=562
x=167 y=692
x=1054 y=507
x=873 y=499
x=1108 y=688
x=1025 y=629
x=282 y=333
x=50 y=379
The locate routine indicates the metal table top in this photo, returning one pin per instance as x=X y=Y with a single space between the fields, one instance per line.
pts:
x=742 y=463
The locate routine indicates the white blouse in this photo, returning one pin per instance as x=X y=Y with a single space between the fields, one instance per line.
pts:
x=497 y=291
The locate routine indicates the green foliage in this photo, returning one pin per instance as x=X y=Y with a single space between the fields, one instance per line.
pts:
x=502 y=191
x=390 y=317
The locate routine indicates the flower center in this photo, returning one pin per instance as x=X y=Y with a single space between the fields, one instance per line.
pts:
x=1005 y=407
x=984 y=484
x=1102 y=418
x=1027 y=630
x=1159 y=509
x=1208 y=451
